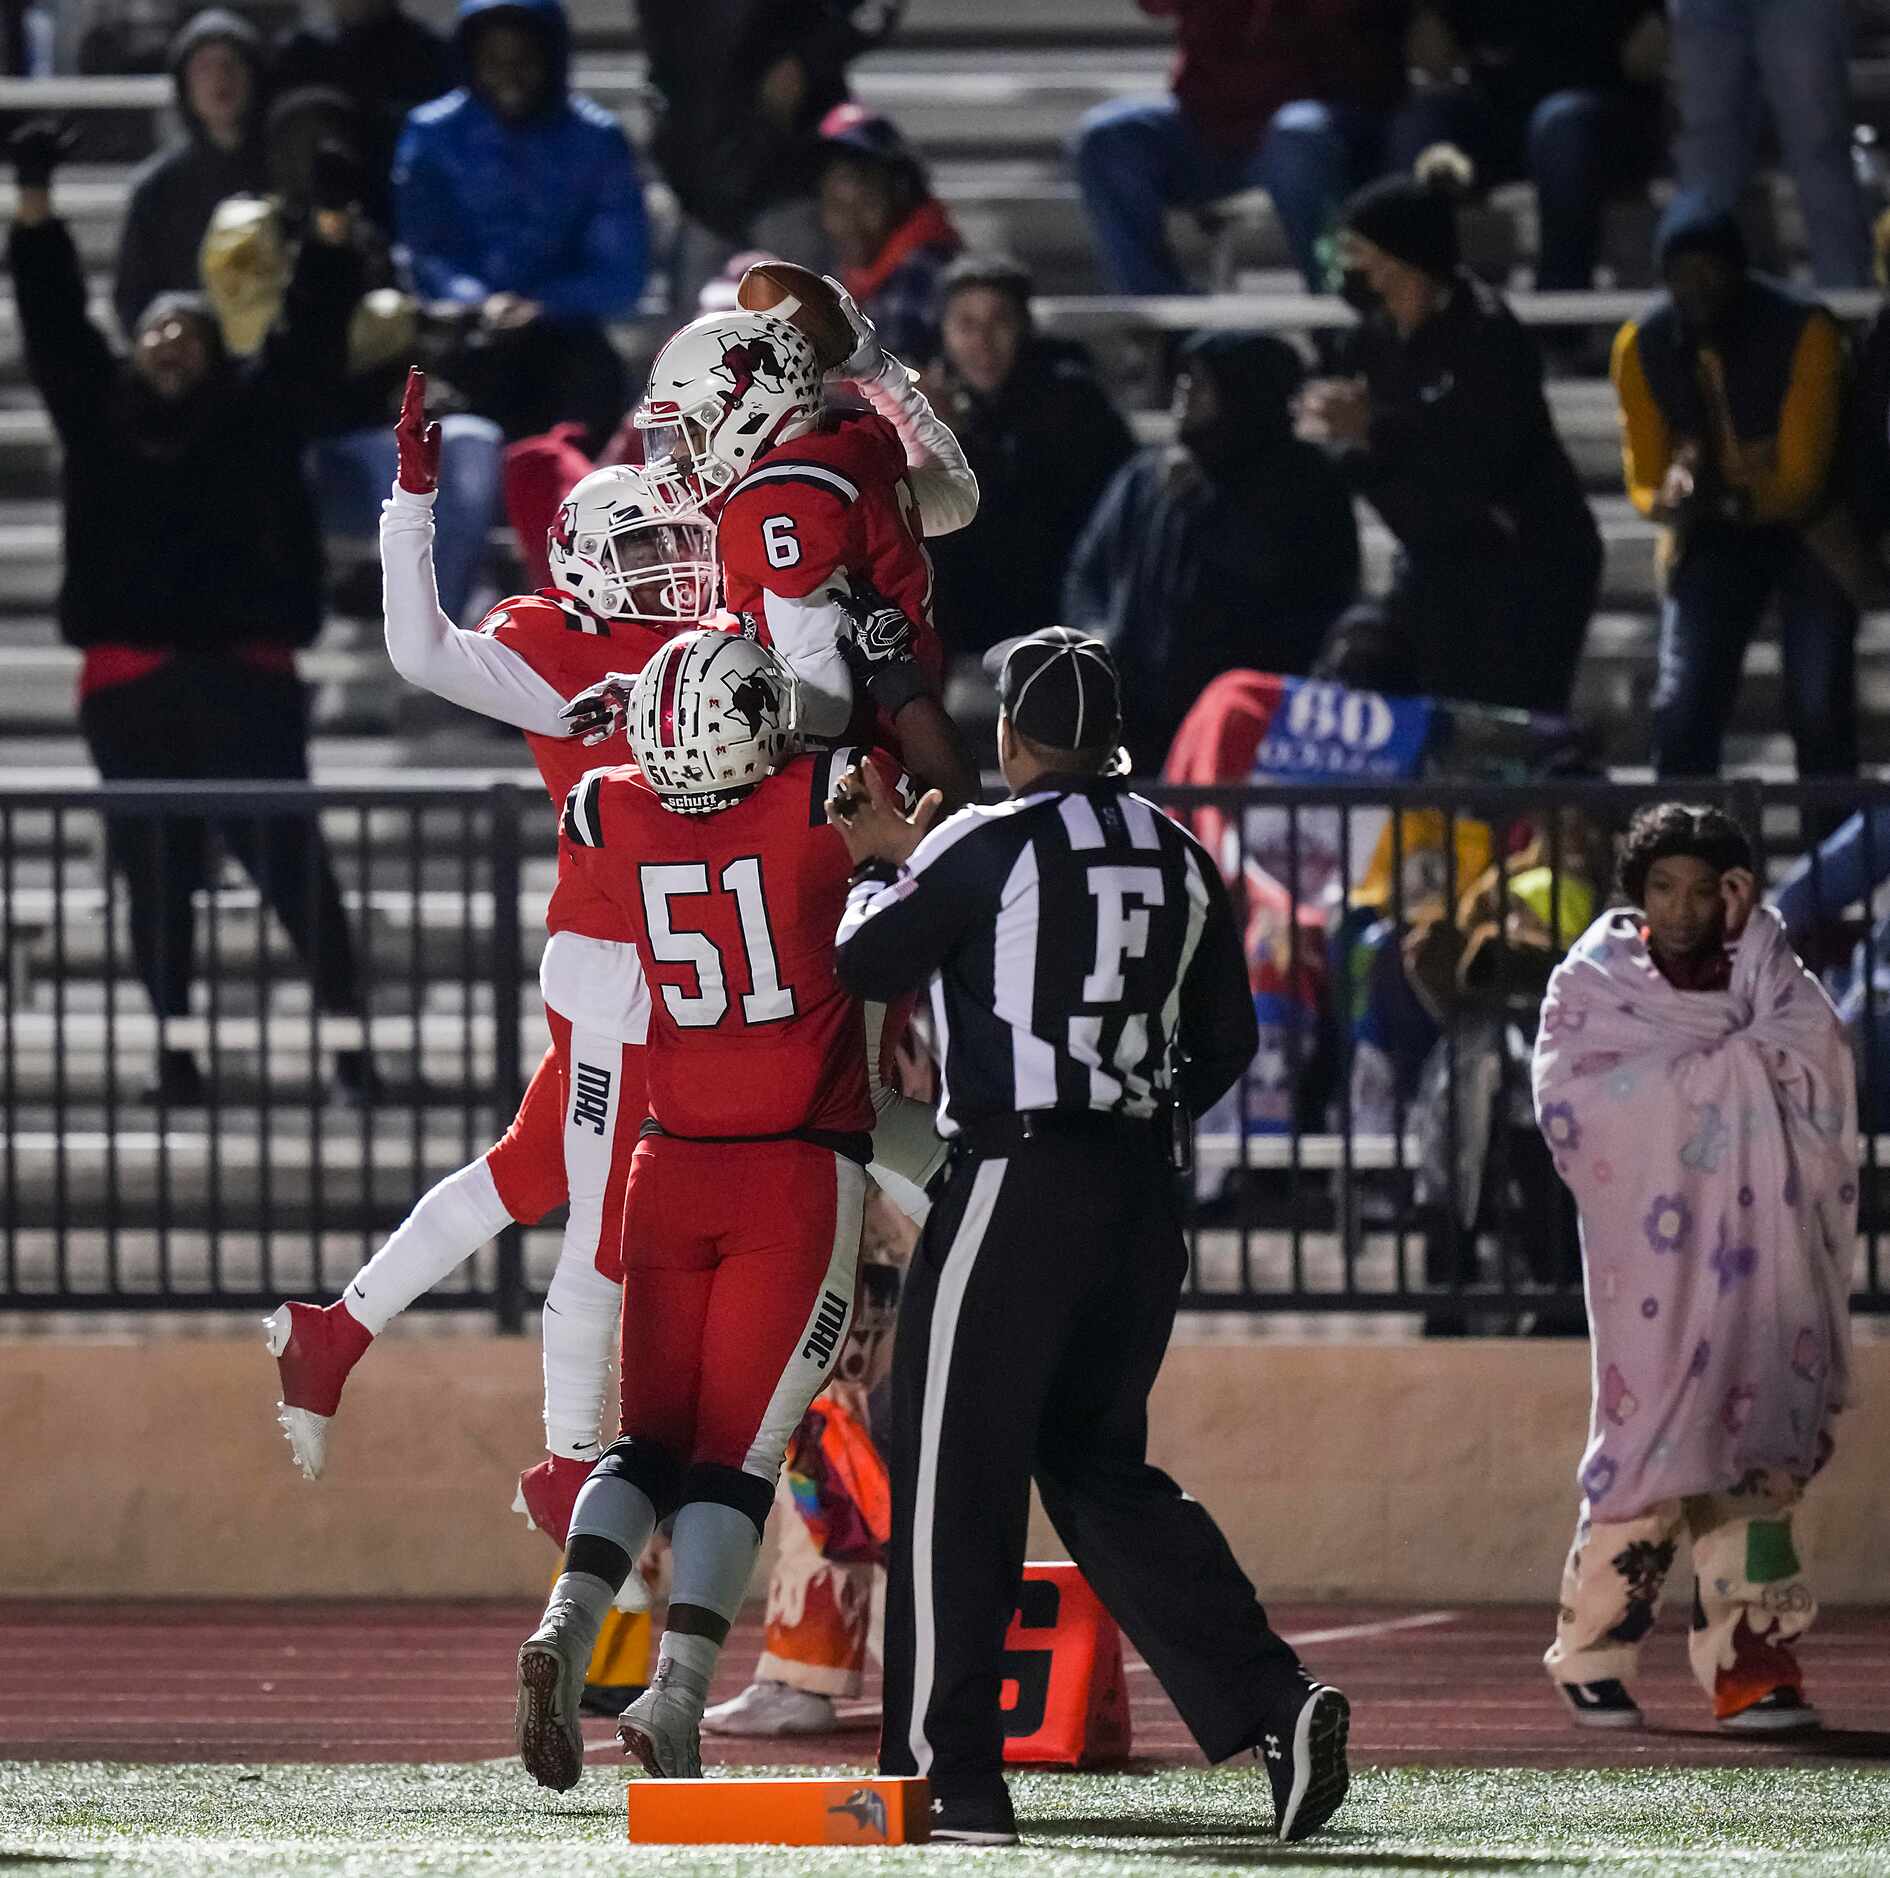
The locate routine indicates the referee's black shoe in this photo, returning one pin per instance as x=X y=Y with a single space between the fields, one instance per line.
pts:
x=974 y=1818
x=1305 y=1759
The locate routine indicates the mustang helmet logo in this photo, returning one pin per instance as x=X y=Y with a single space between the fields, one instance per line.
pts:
x=751 y=362
x=755 y=701
x=866 y=1808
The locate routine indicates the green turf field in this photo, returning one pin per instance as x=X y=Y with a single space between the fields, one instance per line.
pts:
x=438 y=1822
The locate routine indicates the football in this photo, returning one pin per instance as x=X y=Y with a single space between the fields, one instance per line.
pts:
x=799 y=295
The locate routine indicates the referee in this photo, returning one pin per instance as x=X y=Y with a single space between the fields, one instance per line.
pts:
x=1086 y=979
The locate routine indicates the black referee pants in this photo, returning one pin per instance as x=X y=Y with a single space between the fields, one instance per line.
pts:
x=1033 y=1323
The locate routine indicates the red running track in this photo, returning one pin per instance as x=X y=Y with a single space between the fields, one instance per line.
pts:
x=433 y=1682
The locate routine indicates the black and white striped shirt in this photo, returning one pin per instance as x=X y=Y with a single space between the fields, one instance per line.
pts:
x=1069 y=934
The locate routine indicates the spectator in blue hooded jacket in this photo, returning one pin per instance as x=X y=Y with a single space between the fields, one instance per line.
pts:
x=520 y=203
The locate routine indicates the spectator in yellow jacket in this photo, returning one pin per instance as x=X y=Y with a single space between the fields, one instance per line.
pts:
x=1732 y=392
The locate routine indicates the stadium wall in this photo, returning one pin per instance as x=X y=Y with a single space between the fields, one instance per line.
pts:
x=1438 y=1472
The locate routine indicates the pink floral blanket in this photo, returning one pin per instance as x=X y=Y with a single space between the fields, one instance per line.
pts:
x=1710 y=1140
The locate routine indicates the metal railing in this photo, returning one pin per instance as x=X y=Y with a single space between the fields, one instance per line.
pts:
x=322 y=1116
x=1378 y=1157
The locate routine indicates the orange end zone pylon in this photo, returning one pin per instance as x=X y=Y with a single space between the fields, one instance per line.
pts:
x=806 y=1811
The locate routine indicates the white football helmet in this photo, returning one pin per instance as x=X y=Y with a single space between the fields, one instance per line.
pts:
x=710 y=715
x=624 y=545
x=723 y=390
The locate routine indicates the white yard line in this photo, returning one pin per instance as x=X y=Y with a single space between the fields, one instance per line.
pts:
x=1345 y=1633
x=1383 y=1627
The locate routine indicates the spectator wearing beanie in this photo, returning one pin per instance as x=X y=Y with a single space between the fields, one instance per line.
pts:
x=1234 y=546
x=1732 y=391
x=217 y=66
x=1440 y=422
x=893 y=237
x=1041 y=435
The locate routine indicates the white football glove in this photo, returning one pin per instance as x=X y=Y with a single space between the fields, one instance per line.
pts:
x=868 y=357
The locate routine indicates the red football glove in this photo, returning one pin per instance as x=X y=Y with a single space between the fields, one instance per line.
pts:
x=547 y=1494
x=417 y=441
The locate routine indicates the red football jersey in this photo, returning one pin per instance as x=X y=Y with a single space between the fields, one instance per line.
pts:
x=733 y=915
x=835 y=499
x=571 y=649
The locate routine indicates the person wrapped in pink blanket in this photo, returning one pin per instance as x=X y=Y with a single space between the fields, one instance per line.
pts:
x=1694 y=1085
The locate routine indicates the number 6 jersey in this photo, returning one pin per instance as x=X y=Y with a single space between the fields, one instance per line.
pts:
x=819 y=520
x=733 y=916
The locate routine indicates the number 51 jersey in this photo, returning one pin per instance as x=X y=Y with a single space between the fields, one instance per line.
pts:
x=733 y=916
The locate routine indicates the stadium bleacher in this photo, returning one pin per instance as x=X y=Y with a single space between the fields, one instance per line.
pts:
x=995 y=130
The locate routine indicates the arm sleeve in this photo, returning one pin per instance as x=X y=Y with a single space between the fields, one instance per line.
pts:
x=608 y=278
x=1809 y=422
x=1216 y=1029
x=941 y=478
x=807 y=632
x=426 y=218
x=67 y=355
x=469 y=669
x=582 y=1312
x=1646 y=442
x=897 y=929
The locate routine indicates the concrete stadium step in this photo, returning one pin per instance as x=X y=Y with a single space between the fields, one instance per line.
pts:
x=947 y=101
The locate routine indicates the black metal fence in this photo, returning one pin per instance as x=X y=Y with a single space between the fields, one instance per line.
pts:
x=250 y=1128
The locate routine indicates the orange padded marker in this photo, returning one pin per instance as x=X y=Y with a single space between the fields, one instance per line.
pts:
x=807 y=1811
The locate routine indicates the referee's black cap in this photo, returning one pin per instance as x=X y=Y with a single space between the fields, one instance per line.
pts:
x=1060 y=688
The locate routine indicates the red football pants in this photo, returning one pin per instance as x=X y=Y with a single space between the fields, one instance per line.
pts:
x=738 y=1289
x=544 y=1159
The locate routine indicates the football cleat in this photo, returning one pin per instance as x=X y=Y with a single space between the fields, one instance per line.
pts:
x=768 y=1710
x=314 y=1351
x=663 y=1730
x=1604 y=1704
x=551 y=1665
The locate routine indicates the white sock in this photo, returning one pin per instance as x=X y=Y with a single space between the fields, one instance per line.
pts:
x=448 y=1225
x=582 y=1312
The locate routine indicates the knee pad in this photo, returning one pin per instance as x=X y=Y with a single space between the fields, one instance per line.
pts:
x=652 y=1470
x=747 y=1494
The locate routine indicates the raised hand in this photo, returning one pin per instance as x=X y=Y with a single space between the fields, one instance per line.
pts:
x=38 y=147
x=868 y=356
x=416 y=442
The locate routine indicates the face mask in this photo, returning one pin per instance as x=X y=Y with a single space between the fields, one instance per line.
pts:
x=1357 y=291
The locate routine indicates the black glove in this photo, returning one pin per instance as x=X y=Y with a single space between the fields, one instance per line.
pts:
x=881 y=632
x=335 y=177
x=878 y=650
x=597 y=714
x=38 y=148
